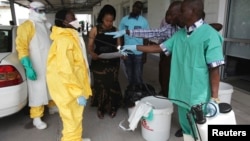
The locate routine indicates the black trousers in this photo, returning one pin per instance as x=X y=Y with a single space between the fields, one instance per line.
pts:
x=164 y=73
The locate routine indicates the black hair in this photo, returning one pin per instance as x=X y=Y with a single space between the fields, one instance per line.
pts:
x=198 y=6
x=136 y=10
x=107 y=9
x=203 y=15
x=60 y=17
x=175 y=3
x=138 y=4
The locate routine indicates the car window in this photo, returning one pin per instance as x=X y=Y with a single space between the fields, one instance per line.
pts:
x=5 y=41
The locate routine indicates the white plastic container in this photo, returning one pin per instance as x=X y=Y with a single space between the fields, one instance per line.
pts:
x=157 y=129
x=225 y=92
x=220 y=119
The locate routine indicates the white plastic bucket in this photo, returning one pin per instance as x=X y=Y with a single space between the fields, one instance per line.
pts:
x=225 y=92
x=157 y=129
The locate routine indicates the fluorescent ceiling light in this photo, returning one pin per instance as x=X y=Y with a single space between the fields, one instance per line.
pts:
x=80 y=1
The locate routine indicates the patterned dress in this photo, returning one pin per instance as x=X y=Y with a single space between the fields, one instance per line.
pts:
x=107 y=93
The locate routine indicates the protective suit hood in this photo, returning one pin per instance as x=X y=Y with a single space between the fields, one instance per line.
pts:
x=37 y=4
x=57 y=31
x=37 y=11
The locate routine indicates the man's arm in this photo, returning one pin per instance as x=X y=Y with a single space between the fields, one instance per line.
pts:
x=158 y=33
x=212 y=106
x=214 y=81
x=146 y=49
x=216 y=26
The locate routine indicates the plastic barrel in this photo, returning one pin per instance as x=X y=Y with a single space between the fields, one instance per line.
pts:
x=225 y=117
x=225 y=92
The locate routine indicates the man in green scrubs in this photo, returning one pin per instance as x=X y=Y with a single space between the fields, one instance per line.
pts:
x=196 y=57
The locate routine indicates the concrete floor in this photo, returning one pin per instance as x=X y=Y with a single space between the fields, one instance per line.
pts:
x=19 y=126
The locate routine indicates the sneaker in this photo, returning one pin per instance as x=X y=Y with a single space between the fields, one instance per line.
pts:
x=86 y=139
x=53 y=110
x=39 y=124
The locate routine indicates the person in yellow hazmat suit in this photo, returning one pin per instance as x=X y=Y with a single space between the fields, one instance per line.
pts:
x=32 y=44
x=67 y=75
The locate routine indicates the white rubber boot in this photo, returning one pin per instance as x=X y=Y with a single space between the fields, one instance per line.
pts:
x=53 y=110
x=86 y=139
x=187 y=137
x=39 y=124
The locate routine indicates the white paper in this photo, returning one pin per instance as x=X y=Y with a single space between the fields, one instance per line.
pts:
x=110 y=55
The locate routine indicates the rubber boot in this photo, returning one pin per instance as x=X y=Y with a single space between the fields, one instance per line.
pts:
x=39 y=124
x=86 y=139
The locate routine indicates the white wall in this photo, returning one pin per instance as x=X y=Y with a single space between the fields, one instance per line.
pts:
x=21 y=14
x=156 y=12
x=116 y=3
x=51 y=18
x=215 y=10
x=5 y=16
x=155 y=17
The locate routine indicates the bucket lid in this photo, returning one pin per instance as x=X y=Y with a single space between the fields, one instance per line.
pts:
x=225 y=107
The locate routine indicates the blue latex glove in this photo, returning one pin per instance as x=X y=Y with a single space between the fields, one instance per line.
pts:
x=30 y=72
x=212 y=108
x=123 y=53
x=130 y=49
x=116 y=34
x=81 y=100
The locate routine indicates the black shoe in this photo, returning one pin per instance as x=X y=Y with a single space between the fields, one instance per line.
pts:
x=100 y=114
x=112 y=112
x=160 y=93
x=179 y=133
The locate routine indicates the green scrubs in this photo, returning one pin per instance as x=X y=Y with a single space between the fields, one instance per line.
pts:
x=191 y=56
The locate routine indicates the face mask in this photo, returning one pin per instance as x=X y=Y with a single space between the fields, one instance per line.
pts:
x=42 y=16
x=37 y=16
x=75 y=24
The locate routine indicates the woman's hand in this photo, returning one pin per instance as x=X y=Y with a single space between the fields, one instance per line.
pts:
x=94 y=56
x=123 y=57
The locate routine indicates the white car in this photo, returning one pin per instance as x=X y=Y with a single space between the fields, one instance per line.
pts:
x=13 y=84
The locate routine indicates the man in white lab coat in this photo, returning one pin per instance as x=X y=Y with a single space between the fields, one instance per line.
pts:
x=32 y=44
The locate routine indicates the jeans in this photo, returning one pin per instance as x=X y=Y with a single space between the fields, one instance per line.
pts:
x=134 y=68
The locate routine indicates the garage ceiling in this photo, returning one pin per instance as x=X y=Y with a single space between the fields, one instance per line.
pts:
x=55 y=5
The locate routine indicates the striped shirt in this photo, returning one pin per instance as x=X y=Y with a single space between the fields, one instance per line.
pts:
x=161 y=33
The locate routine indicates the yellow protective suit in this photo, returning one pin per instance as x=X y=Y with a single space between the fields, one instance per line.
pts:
x=33 y=40
x=67 y=78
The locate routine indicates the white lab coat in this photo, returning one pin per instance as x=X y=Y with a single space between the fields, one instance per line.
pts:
x=38 y=48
